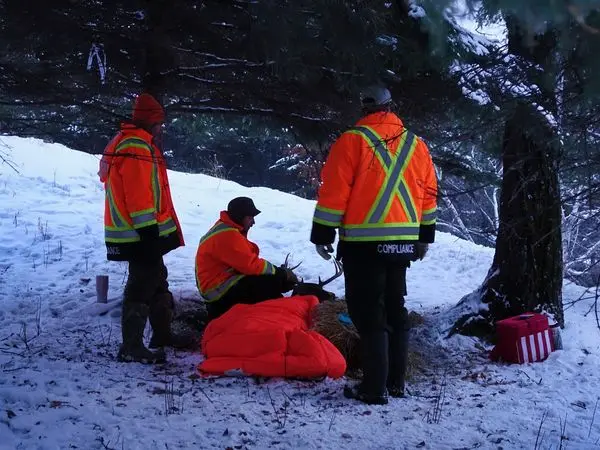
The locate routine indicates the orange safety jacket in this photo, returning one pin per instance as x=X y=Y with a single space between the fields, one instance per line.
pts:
x=378 y=184
x=224 y=257
x=138 y=196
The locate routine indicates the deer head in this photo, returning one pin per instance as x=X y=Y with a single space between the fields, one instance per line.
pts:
x=316 y=289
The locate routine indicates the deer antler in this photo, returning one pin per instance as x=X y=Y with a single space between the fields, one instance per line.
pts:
x=285 y=263
x=338 y=272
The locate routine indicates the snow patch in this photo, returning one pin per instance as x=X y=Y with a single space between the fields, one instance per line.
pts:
x=60 y=386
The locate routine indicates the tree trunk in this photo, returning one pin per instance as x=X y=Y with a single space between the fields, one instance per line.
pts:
x=526 y=273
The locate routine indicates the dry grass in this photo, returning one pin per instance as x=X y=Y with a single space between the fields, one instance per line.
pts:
x=415 y=319
x=415 y=365
x=346 y=339
x=188 y=323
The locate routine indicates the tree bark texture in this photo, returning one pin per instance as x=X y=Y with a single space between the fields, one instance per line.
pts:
x=526 y=273
x=527 y=270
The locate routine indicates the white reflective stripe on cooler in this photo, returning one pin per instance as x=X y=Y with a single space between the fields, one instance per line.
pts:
x=533 y=350
x=524 y=349
x=548 y=341
x=543 y=350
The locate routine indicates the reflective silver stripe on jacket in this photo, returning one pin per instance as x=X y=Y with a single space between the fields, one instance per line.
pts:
x=327 y=216
x=217 y=229
x=429 y=216
x=397 y=164
x=167 y=227
x=381 y=232
x=142 y=219
x=116 y=219
x=216 y=293
x=121 y=235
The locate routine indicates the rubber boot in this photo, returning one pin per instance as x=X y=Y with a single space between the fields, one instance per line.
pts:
x=133 y=322
x=161 y=320
x=161 y=316
x=398 y=362
x=374 y=352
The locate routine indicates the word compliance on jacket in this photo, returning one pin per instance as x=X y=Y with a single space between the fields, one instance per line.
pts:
x=399 y=249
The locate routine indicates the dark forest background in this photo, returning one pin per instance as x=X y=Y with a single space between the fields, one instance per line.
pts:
x=256 y=90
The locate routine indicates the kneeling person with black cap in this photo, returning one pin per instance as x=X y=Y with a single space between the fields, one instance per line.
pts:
x=228 y=267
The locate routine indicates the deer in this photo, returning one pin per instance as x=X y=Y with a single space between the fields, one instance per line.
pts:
x=317 y=289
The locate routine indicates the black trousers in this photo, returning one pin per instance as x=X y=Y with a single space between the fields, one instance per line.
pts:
x=375 y=290
x=146 y=279
x=249 y=290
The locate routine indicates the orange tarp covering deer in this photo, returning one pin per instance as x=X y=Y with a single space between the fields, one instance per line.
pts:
x=270 y=339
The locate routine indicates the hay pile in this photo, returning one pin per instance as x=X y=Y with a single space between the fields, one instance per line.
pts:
x=346 y=339
x=188 y=323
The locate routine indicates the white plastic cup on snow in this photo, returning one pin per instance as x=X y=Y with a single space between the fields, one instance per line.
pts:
x=102 y=288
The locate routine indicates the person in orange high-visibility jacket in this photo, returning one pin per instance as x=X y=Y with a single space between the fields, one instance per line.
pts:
x=379 y=189
x=140 y=226
x=229 y=269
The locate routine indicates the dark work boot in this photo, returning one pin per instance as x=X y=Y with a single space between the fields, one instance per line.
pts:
x=398 y=363
x=374 y=352
x=161 y=316
x=161 y=320
x=133 y=322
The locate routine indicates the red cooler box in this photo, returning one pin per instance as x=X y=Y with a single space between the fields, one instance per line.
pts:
x=523 y=339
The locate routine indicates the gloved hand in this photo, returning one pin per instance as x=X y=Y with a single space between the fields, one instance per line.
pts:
x=150 y=246
x=422 y=249
x=324 y=251
x=151 y=249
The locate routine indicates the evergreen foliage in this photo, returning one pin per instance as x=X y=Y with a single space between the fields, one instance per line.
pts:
x=256 y=90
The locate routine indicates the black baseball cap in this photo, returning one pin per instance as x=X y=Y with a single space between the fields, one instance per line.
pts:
x=241 y=207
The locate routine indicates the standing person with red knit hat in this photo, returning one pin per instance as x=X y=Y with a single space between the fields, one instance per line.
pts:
x=140 y=226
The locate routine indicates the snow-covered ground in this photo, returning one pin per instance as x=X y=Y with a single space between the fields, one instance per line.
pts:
x=60 y=386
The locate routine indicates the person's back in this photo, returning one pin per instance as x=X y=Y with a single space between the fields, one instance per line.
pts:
x=390 y=183
x=379 y=189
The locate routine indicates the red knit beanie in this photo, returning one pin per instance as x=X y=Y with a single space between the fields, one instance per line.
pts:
x=147 y=111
